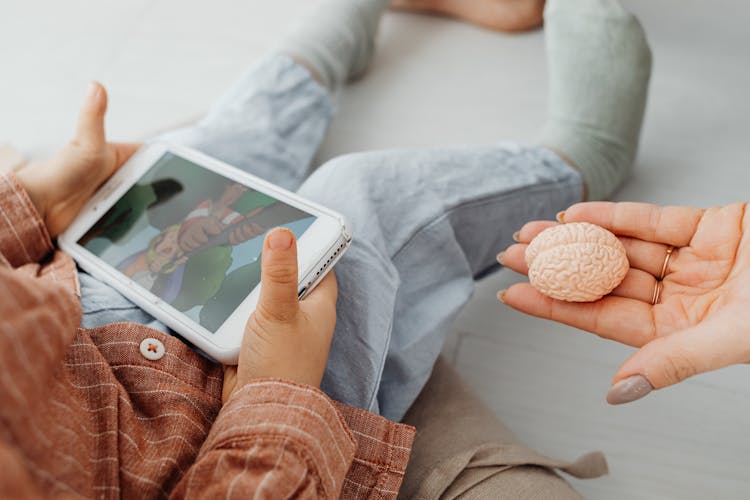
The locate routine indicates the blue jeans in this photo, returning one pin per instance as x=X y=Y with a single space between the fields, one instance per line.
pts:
x=426 y=224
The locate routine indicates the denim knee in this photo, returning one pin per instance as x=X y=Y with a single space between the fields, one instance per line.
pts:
x=347 y=178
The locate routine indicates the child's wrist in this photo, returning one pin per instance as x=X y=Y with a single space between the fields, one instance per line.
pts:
x=34 y=187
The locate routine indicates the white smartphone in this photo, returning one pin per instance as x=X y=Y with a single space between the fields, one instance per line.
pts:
x=180 y=234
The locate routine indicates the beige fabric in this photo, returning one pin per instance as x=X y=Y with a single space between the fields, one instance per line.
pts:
x=463 y=450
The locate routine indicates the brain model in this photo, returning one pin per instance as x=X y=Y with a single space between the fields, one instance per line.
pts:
x=576 y=262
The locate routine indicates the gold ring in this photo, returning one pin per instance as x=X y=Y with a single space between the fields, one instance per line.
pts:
x=663 y=273
x=657 y=293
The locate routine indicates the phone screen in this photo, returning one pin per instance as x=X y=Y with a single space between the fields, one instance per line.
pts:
x=191 y=237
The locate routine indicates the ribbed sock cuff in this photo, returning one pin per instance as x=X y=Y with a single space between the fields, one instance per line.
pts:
x=335 y=38
x=604 y=162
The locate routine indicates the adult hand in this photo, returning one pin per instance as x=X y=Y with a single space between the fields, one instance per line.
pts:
x=699 y=323
x=285 y=338
x=60 y=186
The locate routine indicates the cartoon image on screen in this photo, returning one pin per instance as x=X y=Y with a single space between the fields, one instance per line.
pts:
x=191 y=237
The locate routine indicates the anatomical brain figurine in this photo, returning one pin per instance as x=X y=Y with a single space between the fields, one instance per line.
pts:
x=576 y=262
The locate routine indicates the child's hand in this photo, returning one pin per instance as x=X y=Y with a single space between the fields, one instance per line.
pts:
x=285 y=338
x=60 y=186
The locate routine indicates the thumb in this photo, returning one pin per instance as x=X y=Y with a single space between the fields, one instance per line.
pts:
x=90 y=130
x=668 y=360
x=278 y=276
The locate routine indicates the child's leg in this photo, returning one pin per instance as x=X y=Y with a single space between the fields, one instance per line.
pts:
x=599 y=65
x=426 y=223
x=343 y=32
x=271 y=122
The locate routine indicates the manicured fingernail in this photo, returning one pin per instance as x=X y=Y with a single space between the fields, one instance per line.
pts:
x=280 y=239
x=560 y=216
x=500 y=257
x=629 y=389
x=517 y=236
x=501 y=296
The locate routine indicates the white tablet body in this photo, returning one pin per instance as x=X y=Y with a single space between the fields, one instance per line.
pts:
x=127 y=236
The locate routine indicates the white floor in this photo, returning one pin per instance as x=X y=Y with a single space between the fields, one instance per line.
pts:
x=437 y=82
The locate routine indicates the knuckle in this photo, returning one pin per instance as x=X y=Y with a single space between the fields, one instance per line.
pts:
x=266 y=317
x=678 y=366
x=282 y=274
x=87 y=151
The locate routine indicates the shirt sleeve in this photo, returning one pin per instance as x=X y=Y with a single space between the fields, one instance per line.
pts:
x=277 y=437
x=383 y=450
x=17 y=481
x=38 y=321
x=23 y=236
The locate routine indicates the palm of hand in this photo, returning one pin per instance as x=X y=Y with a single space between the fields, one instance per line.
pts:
x=699 y=323
x=72 y=176
x=710 y=277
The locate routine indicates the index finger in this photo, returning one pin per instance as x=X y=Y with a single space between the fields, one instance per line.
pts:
x=669 y=225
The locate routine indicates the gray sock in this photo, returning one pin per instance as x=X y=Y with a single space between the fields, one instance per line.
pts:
x=599 y=67
x=335 y=38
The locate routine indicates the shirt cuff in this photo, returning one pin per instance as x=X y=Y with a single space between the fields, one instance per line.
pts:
x=23 y=236
x=302 y=414
x=383 y=449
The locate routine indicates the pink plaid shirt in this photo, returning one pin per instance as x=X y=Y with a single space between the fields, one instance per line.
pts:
x=126 y=411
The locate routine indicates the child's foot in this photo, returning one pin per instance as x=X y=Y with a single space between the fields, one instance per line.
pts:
x=498 y=15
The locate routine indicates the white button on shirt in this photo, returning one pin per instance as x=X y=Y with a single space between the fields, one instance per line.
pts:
x=152 y=349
